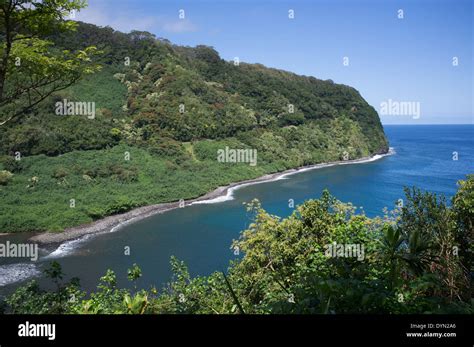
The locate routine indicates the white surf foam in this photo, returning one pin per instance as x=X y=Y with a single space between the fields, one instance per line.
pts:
x=67 y=247
x=227 y=197
x=122 y=224
x=219 y=199
x=11 y=273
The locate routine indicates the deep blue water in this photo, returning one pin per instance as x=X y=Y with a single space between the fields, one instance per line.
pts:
x=201 y=234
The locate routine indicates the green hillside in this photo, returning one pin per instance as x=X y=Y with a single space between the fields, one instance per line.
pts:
x=169 y=109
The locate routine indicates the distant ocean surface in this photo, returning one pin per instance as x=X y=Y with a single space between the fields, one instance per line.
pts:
x=201 y=234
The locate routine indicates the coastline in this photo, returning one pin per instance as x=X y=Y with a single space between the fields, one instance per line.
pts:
x=114 y=222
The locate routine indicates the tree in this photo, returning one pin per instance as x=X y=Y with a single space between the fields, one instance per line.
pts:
x=31 y=68
x=463 y=206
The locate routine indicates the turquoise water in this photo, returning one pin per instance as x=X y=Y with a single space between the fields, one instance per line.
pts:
x=201 y=234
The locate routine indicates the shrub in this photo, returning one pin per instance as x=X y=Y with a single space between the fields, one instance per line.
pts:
x=12 y=165
x=116 y=133
x=168 y=148
x=60 y=173
x=120 y=206
x=5 y=177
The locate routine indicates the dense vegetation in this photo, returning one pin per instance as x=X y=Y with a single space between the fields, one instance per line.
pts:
x=418 y=259
x=168 y=109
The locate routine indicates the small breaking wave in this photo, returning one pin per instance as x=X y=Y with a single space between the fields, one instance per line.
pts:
x=12 y=273
x=229 y=196
x=67 y=247
x=122 y=224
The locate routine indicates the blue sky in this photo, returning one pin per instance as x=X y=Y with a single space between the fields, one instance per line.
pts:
x=403 y=60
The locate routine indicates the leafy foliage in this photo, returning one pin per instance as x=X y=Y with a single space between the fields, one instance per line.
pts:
x=31 y=68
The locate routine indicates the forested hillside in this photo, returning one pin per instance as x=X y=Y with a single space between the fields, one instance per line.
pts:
x=170 y=108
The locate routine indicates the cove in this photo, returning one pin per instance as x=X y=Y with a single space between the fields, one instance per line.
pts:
x=201 y=234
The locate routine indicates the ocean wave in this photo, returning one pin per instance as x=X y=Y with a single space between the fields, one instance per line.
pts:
x=67 y=247
x=375 y=157
x=12 y=273
x=391 y=151
x=229 y=196
x=122 y=224
x=230 y=193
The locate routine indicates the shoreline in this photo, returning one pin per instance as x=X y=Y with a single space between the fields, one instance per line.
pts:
x=114 y=222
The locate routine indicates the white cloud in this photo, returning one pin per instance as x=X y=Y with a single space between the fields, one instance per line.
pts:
x=125 y=20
